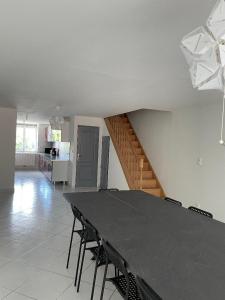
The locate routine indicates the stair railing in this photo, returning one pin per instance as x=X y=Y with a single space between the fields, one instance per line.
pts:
x=134 y=165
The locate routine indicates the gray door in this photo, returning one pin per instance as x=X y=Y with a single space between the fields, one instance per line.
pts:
x=105 y=162
x=87 y=156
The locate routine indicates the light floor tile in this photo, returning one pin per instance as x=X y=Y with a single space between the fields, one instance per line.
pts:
x=116 y=296
x=4 y=292
x=16 y=296
x=84 y=293
x=44 y=285
x=35 y=229
x=3 y=261
x=15 y=273
x=87 y=275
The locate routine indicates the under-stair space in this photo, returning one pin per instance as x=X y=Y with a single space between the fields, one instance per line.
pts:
x=136 y=166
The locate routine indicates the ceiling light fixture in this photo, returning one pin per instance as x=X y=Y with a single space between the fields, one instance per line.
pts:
x=204 y=50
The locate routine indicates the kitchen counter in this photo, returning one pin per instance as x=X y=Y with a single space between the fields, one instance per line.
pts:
x=56 y=158
x=55 y=168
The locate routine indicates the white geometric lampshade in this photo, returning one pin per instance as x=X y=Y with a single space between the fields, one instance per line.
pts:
x=198 y=42
x=204 y=50
x=216 y=82
x=216 y=21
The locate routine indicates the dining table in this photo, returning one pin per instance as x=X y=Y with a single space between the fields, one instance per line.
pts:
x=179 y=253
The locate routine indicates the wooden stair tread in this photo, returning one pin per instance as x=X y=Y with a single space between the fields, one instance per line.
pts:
x=141 y=156
x=133 y=137
x=146 y=166
x=138 y=151
x=147 y=174
x=135 y=144
x=154 y=192
x=149 y=183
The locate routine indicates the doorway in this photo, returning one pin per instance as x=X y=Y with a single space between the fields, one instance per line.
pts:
x=87 y=156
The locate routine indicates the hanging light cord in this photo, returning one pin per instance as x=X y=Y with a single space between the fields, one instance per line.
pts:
x=222 y=122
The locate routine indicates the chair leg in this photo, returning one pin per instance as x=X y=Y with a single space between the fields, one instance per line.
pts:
x=104 y=280
x=95 y=274
x=71 y=242
x=81 y=266
x=78 y=262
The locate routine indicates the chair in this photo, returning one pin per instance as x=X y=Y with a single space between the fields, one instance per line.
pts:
x=124 y=281
x=81 y=232
x=173 y=201
x=201 y=212
x=97 y=251
x=145 y=291
x=109 y=190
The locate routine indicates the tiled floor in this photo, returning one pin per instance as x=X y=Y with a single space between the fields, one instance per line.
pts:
x=35 y=225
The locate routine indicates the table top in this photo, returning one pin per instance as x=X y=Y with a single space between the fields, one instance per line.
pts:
x=178 y=252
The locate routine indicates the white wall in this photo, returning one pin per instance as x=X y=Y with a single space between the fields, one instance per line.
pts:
x=174 y=142
x=7 y=147
x=25 y=160
x=116 y=176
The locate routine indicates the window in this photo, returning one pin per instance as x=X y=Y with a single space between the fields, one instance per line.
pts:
x=56 y=135
x=26 y=138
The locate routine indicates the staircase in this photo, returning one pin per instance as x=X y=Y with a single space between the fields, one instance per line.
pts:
x=135 y=164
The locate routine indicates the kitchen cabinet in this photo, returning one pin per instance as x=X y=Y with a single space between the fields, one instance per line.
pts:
x=55 y=170
x=59 y=171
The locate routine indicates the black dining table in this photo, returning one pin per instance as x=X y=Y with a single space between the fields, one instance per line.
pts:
x=179 y=253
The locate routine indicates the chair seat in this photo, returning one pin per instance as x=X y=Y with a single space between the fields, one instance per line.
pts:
x=121 y=284
x=89 y=236
x=102 y=256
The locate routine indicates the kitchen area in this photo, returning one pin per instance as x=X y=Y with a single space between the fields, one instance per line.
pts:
x=45 y=148
x=74 y=151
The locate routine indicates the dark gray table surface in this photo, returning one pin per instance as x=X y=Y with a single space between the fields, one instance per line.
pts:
x=179 y=253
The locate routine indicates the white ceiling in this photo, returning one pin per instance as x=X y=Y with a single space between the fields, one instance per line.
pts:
x=96 y=57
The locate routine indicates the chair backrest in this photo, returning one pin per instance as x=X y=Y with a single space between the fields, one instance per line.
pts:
x=109 y=190
x=201 y=212
x=173 y=201
x=77 y=214
x=113 y=256
x=145 y=291
x=91 y=229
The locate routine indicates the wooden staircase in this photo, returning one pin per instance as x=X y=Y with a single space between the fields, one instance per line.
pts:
x=135 y=164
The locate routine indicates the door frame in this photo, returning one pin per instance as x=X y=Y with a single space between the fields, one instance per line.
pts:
x=107 y=139
x=86 y=121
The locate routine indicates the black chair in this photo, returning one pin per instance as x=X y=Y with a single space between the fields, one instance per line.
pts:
x=97 y=252
x=124 y=281
x=109 y=190
x=201 y=212
x=81 y=232
x=145 y=291
x=173 y=201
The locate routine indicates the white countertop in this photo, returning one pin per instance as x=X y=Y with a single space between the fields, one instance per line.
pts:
x=56 y=158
